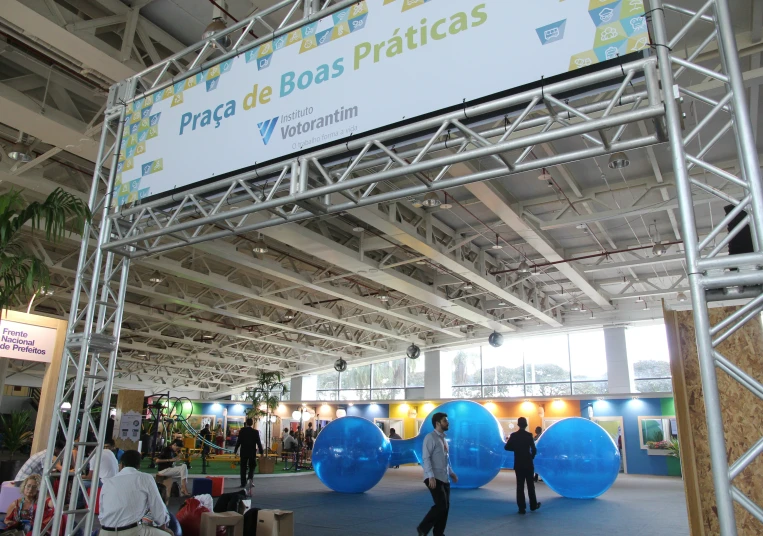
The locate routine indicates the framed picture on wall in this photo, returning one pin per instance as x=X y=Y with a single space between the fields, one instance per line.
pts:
x=656 y=434
x=197 y=422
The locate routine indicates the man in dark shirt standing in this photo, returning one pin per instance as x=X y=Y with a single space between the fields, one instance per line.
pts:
x=522 y=444
x=248 y=442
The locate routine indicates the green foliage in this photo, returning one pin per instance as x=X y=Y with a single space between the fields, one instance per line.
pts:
x=17 y=430
x=673 y=449
x=22 y=275
x=267 y=393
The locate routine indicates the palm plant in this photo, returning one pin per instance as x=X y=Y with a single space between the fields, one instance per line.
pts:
x=673 y=449
x=22 y=274
x=17 y=431
x=265 y=397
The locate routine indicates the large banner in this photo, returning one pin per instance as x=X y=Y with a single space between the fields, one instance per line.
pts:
x=29 y=342
x=370 y=65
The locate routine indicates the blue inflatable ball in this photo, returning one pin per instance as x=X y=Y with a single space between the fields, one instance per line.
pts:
x=474 y=441
x=351 y=455
x=577 y=458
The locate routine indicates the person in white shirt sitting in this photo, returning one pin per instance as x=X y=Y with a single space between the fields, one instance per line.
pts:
x=127 y=497
x=109 y=463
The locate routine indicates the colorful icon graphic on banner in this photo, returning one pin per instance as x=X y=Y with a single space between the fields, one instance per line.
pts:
x=551 y=32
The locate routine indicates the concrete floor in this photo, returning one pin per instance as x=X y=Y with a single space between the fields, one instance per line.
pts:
x=634 y=505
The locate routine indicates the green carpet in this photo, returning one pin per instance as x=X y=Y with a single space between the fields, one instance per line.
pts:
x=220 y=468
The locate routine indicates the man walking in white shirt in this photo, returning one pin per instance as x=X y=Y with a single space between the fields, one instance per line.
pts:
x=437 y=475
x=125 y=499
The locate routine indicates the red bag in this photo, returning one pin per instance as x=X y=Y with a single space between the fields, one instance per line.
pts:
x=189 y=518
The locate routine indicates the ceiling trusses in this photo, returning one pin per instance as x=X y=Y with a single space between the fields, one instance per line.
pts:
x=216 y=313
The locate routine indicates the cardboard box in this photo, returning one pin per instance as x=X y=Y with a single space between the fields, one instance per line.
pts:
x=267 y=465
x=244 y=505
x=275 y=523
x=211 y=520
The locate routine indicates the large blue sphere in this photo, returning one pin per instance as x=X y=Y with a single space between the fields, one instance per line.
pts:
x=577 y=458
x=474 y=442
x=351 y=455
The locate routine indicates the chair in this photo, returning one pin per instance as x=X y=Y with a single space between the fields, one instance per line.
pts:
x=8 y=493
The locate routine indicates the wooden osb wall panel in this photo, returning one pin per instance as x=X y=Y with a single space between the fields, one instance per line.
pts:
x=742 y=417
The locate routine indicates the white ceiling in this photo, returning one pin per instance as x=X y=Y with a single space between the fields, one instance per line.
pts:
x=206 y=318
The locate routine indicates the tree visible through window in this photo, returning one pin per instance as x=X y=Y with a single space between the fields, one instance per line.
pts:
x=647 y=348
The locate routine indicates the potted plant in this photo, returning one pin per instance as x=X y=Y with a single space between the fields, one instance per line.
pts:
x=23 y=274
x=17 y=434
x=265 y=397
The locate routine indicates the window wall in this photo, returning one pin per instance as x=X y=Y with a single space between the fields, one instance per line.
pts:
x=647 y=348
x=379 y=381
x=549 y=365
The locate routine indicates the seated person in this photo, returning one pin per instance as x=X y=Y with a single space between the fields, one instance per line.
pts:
x=166 y=465
x=35 y=465
x=109 y=463
x=125 y=499
x=290 y=443
x=21 y=512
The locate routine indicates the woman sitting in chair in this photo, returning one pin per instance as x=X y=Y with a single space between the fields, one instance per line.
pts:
x=21 y=512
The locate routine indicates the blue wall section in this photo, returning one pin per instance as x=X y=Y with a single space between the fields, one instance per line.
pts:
x=369 y=411
x=216 y=408
x=639 y=462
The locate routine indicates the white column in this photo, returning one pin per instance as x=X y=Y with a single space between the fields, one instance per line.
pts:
x=619 y=371
x=437 y=380
x=303 y=388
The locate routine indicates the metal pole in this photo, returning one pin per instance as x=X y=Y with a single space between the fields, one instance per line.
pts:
x=717 y=441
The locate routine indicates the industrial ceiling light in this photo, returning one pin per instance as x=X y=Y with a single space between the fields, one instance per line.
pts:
x=20 y=152
x=259 y=245
x=358 y=229
x=659 y=249
x=215 y=27
x=446 y=205
x=340 y=365
x=523 y=268
x=383 y=296
x=421 y=261
x=431 y=200
x=417 y=203
x=575 y=306
x=618 y=160
x=413 y=352
x=681 y=297
x=156 y=277
x=289 y=315
x=502 y=302
x=545 y=176
x=495 y=339
x=468 y=286
x=497 y=245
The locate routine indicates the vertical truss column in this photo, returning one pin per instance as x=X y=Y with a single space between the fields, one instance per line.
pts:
x=90 y=352
x=711 y=276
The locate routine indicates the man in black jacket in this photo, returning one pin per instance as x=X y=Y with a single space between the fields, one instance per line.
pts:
x=522 y=444
x=248 y=442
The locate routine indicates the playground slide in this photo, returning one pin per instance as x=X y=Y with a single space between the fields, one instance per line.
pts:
x=203 y=441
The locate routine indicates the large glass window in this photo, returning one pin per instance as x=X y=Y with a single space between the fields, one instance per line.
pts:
x=356 y=378
x=389 y=374
x=547 y=359
x=647 y=348
x=415 y=372
x=504 y=365
x=588 y=362
x=465 y=366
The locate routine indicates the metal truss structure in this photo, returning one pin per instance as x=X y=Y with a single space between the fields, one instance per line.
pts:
x=712 y=276
x=439 y=153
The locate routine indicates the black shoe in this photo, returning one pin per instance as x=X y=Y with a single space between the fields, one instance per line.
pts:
x=536 y=507
x=523 y=512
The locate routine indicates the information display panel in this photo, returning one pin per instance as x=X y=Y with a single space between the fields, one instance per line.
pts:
x=373 y=64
